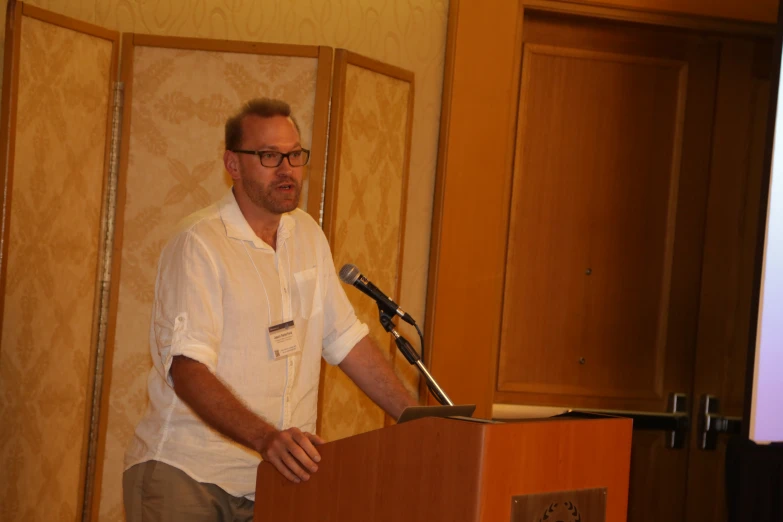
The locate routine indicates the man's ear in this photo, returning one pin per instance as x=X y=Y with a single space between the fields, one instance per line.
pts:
x=231 y=162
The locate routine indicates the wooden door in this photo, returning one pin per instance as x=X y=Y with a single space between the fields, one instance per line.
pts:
x=606 y=229
x=664 y=132
x=741 y=130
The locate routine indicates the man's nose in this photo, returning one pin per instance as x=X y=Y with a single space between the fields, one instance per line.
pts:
x=284 y=167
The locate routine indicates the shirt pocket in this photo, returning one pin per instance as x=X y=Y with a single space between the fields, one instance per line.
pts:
x=309 y=292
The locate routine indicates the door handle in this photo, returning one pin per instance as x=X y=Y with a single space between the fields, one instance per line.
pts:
x=711 y=423
x=676 y=422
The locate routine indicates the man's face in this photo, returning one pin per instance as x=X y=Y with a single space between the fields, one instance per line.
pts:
x=274 y=189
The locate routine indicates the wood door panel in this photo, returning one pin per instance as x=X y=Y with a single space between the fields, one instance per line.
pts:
x=548 y=231
x=731 y=236
x=608 y=198
x=633 y=214
x=591 y=222
x=657 y=492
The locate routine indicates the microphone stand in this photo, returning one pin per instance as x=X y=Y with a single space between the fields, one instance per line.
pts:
x=413 y=358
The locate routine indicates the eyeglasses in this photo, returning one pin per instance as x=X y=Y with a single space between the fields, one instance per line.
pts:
x=273 y=158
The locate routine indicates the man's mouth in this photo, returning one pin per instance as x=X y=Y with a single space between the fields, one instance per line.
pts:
x=286 y=186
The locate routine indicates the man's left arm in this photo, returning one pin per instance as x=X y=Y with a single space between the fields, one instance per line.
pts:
x=367 y=367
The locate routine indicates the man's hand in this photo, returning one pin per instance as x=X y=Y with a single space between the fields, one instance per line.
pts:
x=292 y=452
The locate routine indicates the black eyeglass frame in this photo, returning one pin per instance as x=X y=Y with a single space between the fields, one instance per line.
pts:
x=283 y=156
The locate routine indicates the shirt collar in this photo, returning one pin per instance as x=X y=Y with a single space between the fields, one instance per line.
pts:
x=237 y=226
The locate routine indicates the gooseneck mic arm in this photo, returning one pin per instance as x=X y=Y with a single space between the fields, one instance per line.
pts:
x=387 y=309
x=413 y=358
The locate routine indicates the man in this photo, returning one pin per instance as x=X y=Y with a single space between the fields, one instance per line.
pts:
x=246 y=303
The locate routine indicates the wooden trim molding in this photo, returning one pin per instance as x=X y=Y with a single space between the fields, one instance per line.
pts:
x=680 y=21
x=320 y=130
x=335 y=141
x=7 y=132
x=479 y=104
x=126 y=76
x=329 y=188
x=94 y=433
x=228 y=46
x=379 y=67
x=70 y=23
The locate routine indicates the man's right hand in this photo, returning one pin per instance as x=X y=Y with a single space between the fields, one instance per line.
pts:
x=292 y=452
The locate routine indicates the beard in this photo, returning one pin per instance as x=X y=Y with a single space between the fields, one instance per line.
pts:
x=270 y=197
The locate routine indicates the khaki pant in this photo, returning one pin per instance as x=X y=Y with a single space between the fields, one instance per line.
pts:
x=156 y=492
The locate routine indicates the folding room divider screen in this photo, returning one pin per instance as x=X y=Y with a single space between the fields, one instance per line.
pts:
x=56 y=119
x=179 y=93
x=364 y=212
x=99 y=167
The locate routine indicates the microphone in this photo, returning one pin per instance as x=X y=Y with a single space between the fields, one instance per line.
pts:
x=351 y=275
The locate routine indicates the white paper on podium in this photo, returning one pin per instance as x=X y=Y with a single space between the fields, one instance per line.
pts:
x=523 y=411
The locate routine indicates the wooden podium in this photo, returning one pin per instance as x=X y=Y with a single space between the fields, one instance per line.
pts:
x=436 y=469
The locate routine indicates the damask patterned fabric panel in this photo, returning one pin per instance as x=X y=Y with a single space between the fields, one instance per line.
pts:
x=180 y=100
x=368 y=225
x=58 y=177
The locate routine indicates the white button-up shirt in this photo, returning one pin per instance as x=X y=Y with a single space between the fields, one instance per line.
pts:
x=218 y=289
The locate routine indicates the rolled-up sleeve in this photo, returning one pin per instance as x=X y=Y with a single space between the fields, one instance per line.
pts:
x=342 y=329
x=188 y=310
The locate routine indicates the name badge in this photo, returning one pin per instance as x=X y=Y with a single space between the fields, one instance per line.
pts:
x=284 y=342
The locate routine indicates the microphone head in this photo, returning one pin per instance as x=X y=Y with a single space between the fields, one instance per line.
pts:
x=349 y=274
